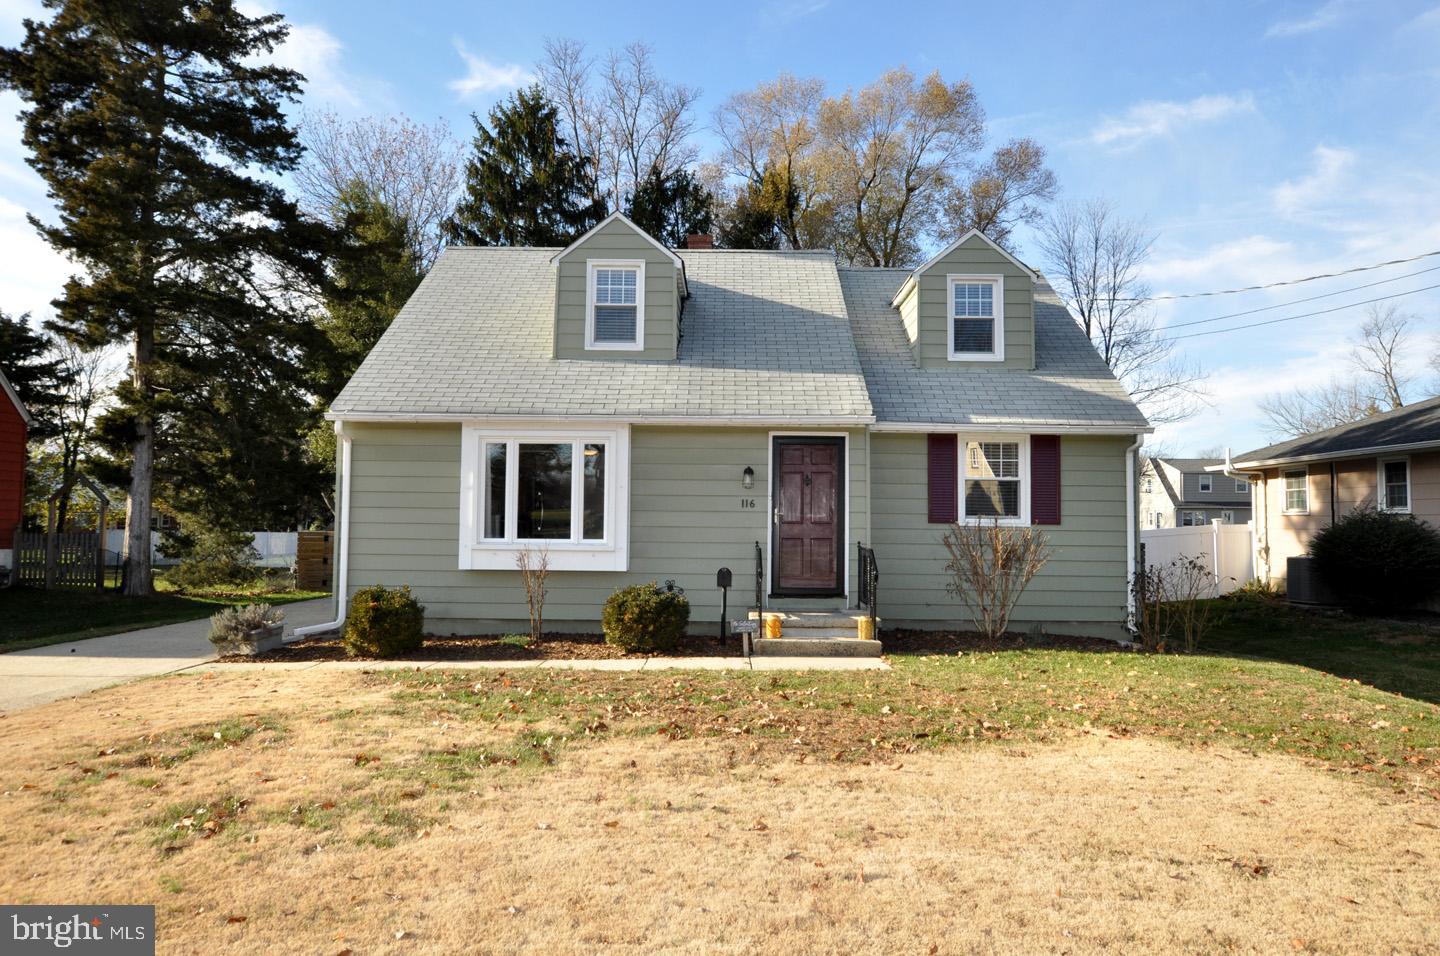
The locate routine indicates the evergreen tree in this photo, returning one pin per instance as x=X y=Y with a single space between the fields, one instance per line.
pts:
x=671 y=208
x=524 y=185
x=148 y=120
x=755 y=220
x=37 y=372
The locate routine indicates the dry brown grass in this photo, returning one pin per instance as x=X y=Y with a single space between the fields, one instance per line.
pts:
x=349 y=834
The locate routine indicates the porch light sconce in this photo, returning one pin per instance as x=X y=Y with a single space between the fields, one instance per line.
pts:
x=747 y=477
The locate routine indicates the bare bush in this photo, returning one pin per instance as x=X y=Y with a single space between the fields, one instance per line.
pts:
x=1173 y=603
x=990 y=566
x=534 y=569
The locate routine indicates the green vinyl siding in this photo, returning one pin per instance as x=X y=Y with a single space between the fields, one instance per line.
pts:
x=1083 y=584
x=973 y=257
x=686 y=521
x=617 y=240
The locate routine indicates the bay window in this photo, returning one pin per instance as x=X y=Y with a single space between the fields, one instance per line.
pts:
x=544 y=489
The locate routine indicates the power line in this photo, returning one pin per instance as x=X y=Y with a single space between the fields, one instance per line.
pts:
x=1313 y=298
x=1274 y=285
x=1304 y=315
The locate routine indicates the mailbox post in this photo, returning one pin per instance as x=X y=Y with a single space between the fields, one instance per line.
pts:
x=723 y=580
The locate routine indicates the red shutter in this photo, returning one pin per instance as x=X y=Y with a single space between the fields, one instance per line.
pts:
x=1045 y=479
x=944 y=469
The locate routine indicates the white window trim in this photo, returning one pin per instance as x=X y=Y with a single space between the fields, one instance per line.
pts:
x=1227 y=517
x=1206 y=483
x=1380 y=498
x=479 y=553
x=590 y=266
x=1024 y=440
x=998 y=355
x=1242 y=486
x=1285 y=493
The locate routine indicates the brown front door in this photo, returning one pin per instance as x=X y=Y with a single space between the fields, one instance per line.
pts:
x=809 y=523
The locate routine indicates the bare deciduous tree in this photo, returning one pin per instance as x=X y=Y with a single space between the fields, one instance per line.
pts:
x=622 y=116
x=1095 y=260
x=990 y=566
x=1380 y=353
x=90 y=377
x=411 y=167
x=534 y=569
x=1004 y=192
x=889 y=153
x=1305 y=410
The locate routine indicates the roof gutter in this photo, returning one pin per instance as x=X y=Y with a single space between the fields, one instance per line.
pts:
x=416 y=418
x=1027 y=427
x=1328 y=455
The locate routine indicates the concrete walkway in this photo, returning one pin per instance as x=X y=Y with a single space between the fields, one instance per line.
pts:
x=608 y=664
x=42 y=674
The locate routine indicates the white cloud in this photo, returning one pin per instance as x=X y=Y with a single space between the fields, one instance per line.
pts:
x=482 y=76
x=788 y=11
x=1326 y=15
x=1332 y=164
x=318 y=55
x=1154 y=118
x=31 y=272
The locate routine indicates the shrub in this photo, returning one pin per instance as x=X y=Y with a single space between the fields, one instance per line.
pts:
x=211 y=557
x=1378 y=561
x=990 y=566
x=645 y=617
x=1173 y=601
x=384 y=622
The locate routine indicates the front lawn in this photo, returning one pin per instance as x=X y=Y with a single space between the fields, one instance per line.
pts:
x=31 y=617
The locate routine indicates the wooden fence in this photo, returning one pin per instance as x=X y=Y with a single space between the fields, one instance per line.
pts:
x=314 y=568
x=75 y=559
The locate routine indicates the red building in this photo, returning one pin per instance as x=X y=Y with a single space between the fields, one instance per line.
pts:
x=14 y=425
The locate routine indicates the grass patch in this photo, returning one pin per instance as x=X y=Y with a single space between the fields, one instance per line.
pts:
x=36 y=618
x=180 y=824
x=174 y=747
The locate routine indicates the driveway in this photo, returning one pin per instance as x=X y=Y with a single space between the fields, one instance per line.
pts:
x=42 y=674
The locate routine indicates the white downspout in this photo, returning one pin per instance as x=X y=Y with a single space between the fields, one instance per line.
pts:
x=342 y=537
x=1260 y=490
x=1131 y=531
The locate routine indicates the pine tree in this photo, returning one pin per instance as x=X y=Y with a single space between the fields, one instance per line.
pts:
x=149 y=120
x=672 y=208
x=755 y=220
x=38 y=374
x=524 y=185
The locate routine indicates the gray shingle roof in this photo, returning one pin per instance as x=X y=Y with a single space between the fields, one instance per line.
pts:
x=1412 y=425
x=765 y=336
x=1070 y=385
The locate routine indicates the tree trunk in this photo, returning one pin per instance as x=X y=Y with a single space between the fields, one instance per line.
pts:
x=142 y=473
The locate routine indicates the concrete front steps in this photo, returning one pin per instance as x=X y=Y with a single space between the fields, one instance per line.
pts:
x=815 y=634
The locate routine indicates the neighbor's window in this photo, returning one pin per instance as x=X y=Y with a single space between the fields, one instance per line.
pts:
x=1205 y=482
x=616 y=303
x=533 y=491
x=991 y=478
x=1297 y=491
x=1192 y=519
x=1227 y=517
x=1242 y=486
x=1395 y=485
x=976 y=317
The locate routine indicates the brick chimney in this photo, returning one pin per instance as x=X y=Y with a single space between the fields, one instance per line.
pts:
x=700 y=240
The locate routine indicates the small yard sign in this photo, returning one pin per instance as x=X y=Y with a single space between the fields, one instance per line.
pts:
x=744 y=627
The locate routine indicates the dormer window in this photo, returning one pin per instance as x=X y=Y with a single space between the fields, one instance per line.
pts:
x=977 y=318
x=615 y=305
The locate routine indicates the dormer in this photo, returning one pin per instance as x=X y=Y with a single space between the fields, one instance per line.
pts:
x=971 y=305
x=618 y=295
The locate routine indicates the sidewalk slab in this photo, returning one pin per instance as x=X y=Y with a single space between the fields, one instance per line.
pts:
x=697 y=664
x=607 y=664
x=818 y=664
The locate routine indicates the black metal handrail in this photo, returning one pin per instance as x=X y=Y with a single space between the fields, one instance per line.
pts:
x=869 y=581
x=759 y=578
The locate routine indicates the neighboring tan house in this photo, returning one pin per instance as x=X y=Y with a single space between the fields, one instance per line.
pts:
x=1180 y=493
x=645 y=414
x=14 y=429
x=1389 y=461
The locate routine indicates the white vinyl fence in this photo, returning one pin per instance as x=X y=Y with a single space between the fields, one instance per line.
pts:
x=1224 y=548
x=276 y=548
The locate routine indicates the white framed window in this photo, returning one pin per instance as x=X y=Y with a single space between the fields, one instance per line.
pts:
x=1227 y=517
x=995 y=478
x=563 y=491
x=1393 y=485
x=976 y=311
x=1192 y=519
x=1206 y=482
x=1149 y=486
x=1242 y=487
x=1297 y=492
x=615 y=304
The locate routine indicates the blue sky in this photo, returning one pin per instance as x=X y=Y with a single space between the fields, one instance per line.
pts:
x=1261 y=141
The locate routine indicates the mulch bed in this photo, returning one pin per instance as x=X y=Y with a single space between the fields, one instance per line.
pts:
x=593 y=647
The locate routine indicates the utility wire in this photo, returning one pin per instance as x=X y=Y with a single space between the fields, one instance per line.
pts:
x=1274 y=285
x=1313 y=298
x=1303 y=315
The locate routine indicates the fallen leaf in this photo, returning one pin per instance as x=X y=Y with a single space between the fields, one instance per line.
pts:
x=612 y=824
x=236 y=919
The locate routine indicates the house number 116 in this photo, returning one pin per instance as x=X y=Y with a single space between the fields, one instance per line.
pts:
x=747 y=502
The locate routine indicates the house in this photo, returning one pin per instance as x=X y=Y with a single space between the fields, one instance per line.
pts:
x=14 y=430
x=1181 y=493
x=643 y=414
x=1389 y=461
